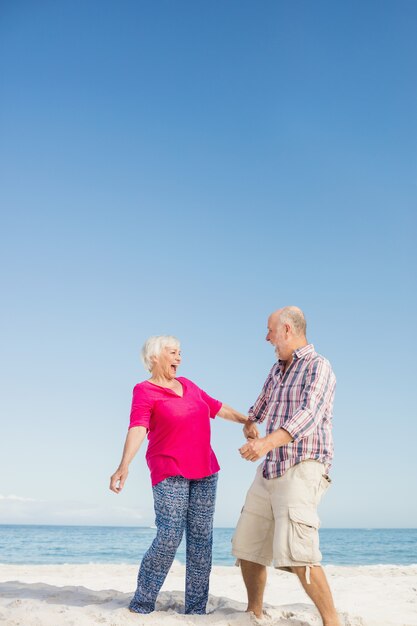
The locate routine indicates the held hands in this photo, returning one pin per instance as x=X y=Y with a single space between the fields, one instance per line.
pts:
x=255 y=449
x=118 y=480
x=250 y=430
x=252 y=450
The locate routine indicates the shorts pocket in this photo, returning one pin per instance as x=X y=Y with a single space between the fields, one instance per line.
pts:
x=303 y=535
x=325 y=483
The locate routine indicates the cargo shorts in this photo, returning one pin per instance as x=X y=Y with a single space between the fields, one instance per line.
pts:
x=279 y=523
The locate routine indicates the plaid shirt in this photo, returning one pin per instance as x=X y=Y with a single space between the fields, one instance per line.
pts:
x=301 y=402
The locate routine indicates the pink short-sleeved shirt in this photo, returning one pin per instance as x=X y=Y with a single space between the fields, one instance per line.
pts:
x=178 y=429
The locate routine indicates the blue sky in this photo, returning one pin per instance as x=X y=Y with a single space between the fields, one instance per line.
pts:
x=187 y=168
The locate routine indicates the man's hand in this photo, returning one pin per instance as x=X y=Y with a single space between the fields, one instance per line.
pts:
x=118 y=480
x=255 y=449
x=250 y=430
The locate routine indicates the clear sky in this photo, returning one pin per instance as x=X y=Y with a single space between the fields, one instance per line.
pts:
x=188 y=167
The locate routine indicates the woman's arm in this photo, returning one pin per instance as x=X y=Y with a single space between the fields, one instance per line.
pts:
x=134 y=440
x=228 y=413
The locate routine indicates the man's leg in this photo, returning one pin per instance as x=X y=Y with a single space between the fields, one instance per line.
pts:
x=252 y=541
x=319 y=591
x=254 y=577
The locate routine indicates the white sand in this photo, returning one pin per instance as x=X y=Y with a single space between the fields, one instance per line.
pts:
x=84 y=595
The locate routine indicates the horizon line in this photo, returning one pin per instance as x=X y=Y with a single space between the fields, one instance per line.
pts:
x=148 y=527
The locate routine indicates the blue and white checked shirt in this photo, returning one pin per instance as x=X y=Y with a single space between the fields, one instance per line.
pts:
x=301 y=402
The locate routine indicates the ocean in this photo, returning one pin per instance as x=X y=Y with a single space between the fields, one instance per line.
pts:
x=110 y=544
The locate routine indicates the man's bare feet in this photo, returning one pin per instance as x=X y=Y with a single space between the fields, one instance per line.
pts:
x=256 y=615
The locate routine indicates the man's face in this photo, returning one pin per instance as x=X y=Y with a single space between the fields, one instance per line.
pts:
x=277 y=335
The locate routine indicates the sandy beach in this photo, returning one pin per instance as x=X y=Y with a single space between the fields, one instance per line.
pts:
x=83 y=595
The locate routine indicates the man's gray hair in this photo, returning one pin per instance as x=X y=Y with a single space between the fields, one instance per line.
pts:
x=294 y=317
x=154 y=345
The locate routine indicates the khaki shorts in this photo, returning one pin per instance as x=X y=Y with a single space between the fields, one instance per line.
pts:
x=279 y=522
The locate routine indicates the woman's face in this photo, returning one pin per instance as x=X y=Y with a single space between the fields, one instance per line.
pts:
x=167 y=362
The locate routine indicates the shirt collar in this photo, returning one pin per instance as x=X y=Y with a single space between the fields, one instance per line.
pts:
x=302 y=352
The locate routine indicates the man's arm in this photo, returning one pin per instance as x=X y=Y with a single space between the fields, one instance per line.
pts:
x=257 y=448
x=315 y=400
x=258 y=412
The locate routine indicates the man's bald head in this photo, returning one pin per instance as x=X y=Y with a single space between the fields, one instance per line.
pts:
x=287 y=331
x=294 y=317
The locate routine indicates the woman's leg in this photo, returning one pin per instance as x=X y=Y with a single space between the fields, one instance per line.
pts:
x=171 y=503
x=199 y=533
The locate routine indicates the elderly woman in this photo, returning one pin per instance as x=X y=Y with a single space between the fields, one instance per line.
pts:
x=175 y=413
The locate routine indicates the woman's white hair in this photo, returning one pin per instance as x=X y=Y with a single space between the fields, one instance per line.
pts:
x=153 y=347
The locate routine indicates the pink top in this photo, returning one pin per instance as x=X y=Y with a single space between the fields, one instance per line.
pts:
x=178 y=429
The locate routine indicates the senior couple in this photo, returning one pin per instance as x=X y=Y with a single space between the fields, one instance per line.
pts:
x=278 y=523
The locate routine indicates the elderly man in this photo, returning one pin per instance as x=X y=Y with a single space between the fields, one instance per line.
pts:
x=279 y=521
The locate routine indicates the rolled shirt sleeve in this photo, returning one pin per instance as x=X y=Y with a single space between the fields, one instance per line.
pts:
x=259 y=411
x=314 y=402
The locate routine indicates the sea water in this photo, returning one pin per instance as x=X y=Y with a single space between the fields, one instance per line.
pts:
x=111 y=544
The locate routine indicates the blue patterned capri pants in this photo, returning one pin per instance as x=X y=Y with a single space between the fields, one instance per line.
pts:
x=180 y=504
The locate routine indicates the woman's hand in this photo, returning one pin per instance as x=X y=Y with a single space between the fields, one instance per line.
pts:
x=134 y=439
x=118 y=479
x=250 y=430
